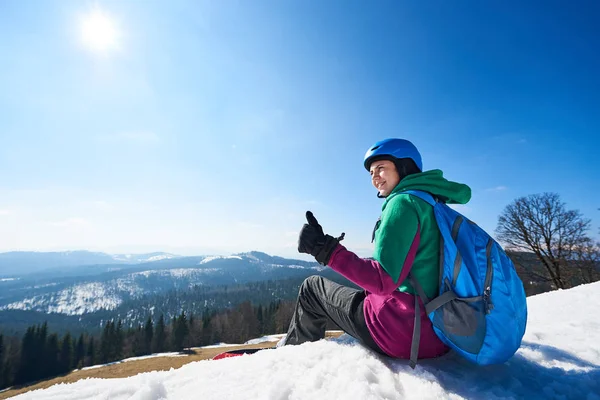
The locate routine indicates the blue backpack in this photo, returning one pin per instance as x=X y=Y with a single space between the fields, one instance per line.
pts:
x=480 y=311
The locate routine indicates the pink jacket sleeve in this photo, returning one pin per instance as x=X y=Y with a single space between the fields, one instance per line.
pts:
x=368 y=274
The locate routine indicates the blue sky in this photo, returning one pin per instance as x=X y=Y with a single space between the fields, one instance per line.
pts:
x=211 y=127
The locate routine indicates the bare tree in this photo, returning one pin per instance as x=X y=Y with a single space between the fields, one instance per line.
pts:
x=540 y=223
x=283 y=316
x=587 y=260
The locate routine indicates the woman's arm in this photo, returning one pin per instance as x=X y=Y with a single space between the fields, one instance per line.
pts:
x=396 y=243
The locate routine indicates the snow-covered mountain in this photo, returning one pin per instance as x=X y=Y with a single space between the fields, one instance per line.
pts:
x=110 y=287
x=558 y=359
x=142 y=258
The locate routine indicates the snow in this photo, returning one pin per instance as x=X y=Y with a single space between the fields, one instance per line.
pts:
x=76 y=300
x=89 y=297
x=7 y=279
x=142 y=258
x=164 y=256
x=559 y=359
x=294 y=266
x=43 y=286
x=212 y=346
x=172 y=354
x=212 y=258
x=177 y=272
x=273 y=338
x=269 y=338
x=161 y=257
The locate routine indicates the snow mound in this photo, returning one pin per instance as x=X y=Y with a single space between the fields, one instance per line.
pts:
x=268 y=338
x=154 y=355
x=559 y=359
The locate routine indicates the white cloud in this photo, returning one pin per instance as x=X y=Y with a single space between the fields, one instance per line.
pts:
x=5 y=212
x=496 y=189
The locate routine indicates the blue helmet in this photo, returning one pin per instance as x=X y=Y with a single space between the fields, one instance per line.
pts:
x=393 y=149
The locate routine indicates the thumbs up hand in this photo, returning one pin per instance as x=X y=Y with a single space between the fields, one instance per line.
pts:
x=313 y=241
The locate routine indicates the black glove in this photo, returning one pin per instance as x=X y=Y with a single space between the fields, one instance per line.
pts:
x=313 y=241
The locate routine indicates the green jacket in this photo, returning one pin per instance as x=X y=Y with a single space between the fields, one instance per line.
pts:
x=407 y=234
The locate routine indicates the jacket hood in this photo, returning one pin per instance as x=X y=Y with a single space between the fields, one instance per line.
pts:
x=433 y=182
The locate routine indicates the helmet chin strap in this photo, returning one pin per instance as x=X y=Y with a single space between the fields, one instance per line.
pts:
x=380 y=196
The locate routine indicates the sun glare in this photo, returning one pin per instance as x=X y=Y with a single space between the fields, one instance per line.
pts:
x=99 y=32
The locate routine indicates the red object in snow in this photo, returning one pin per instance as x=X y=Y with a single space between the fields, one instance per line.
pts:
x=235 y=353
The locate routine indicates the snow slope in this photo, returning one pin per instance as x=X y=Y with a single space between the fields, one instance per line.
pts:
x=559 y=359
x=154 y=355
x=90 y=297
x=75 y=300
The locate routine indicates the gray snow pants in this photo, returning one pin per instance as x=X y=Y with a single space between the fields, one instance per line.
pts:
x=321 y=300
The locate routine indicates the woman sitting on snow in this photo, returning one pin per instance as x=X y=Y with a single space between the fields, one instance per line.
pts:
x=406 y=239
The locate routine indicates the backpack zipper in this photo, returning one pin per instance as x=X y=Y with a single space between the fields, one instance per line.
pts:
x=487 y=289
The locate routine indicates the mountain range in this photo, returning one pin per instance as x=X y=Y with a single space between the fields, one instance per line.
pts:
x=81 y=289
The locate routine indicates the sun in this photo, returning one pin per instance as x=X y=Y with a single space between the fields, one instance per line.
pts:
x=98 y=32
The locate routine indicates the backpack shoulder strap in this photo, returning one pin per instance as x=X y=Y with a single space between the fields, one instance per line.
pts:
x=414 y=348
x=422 y=195
x=416 y=338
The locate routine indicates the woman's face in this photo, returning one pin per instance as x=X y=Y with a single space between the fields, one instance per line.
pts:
x=384 y=176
